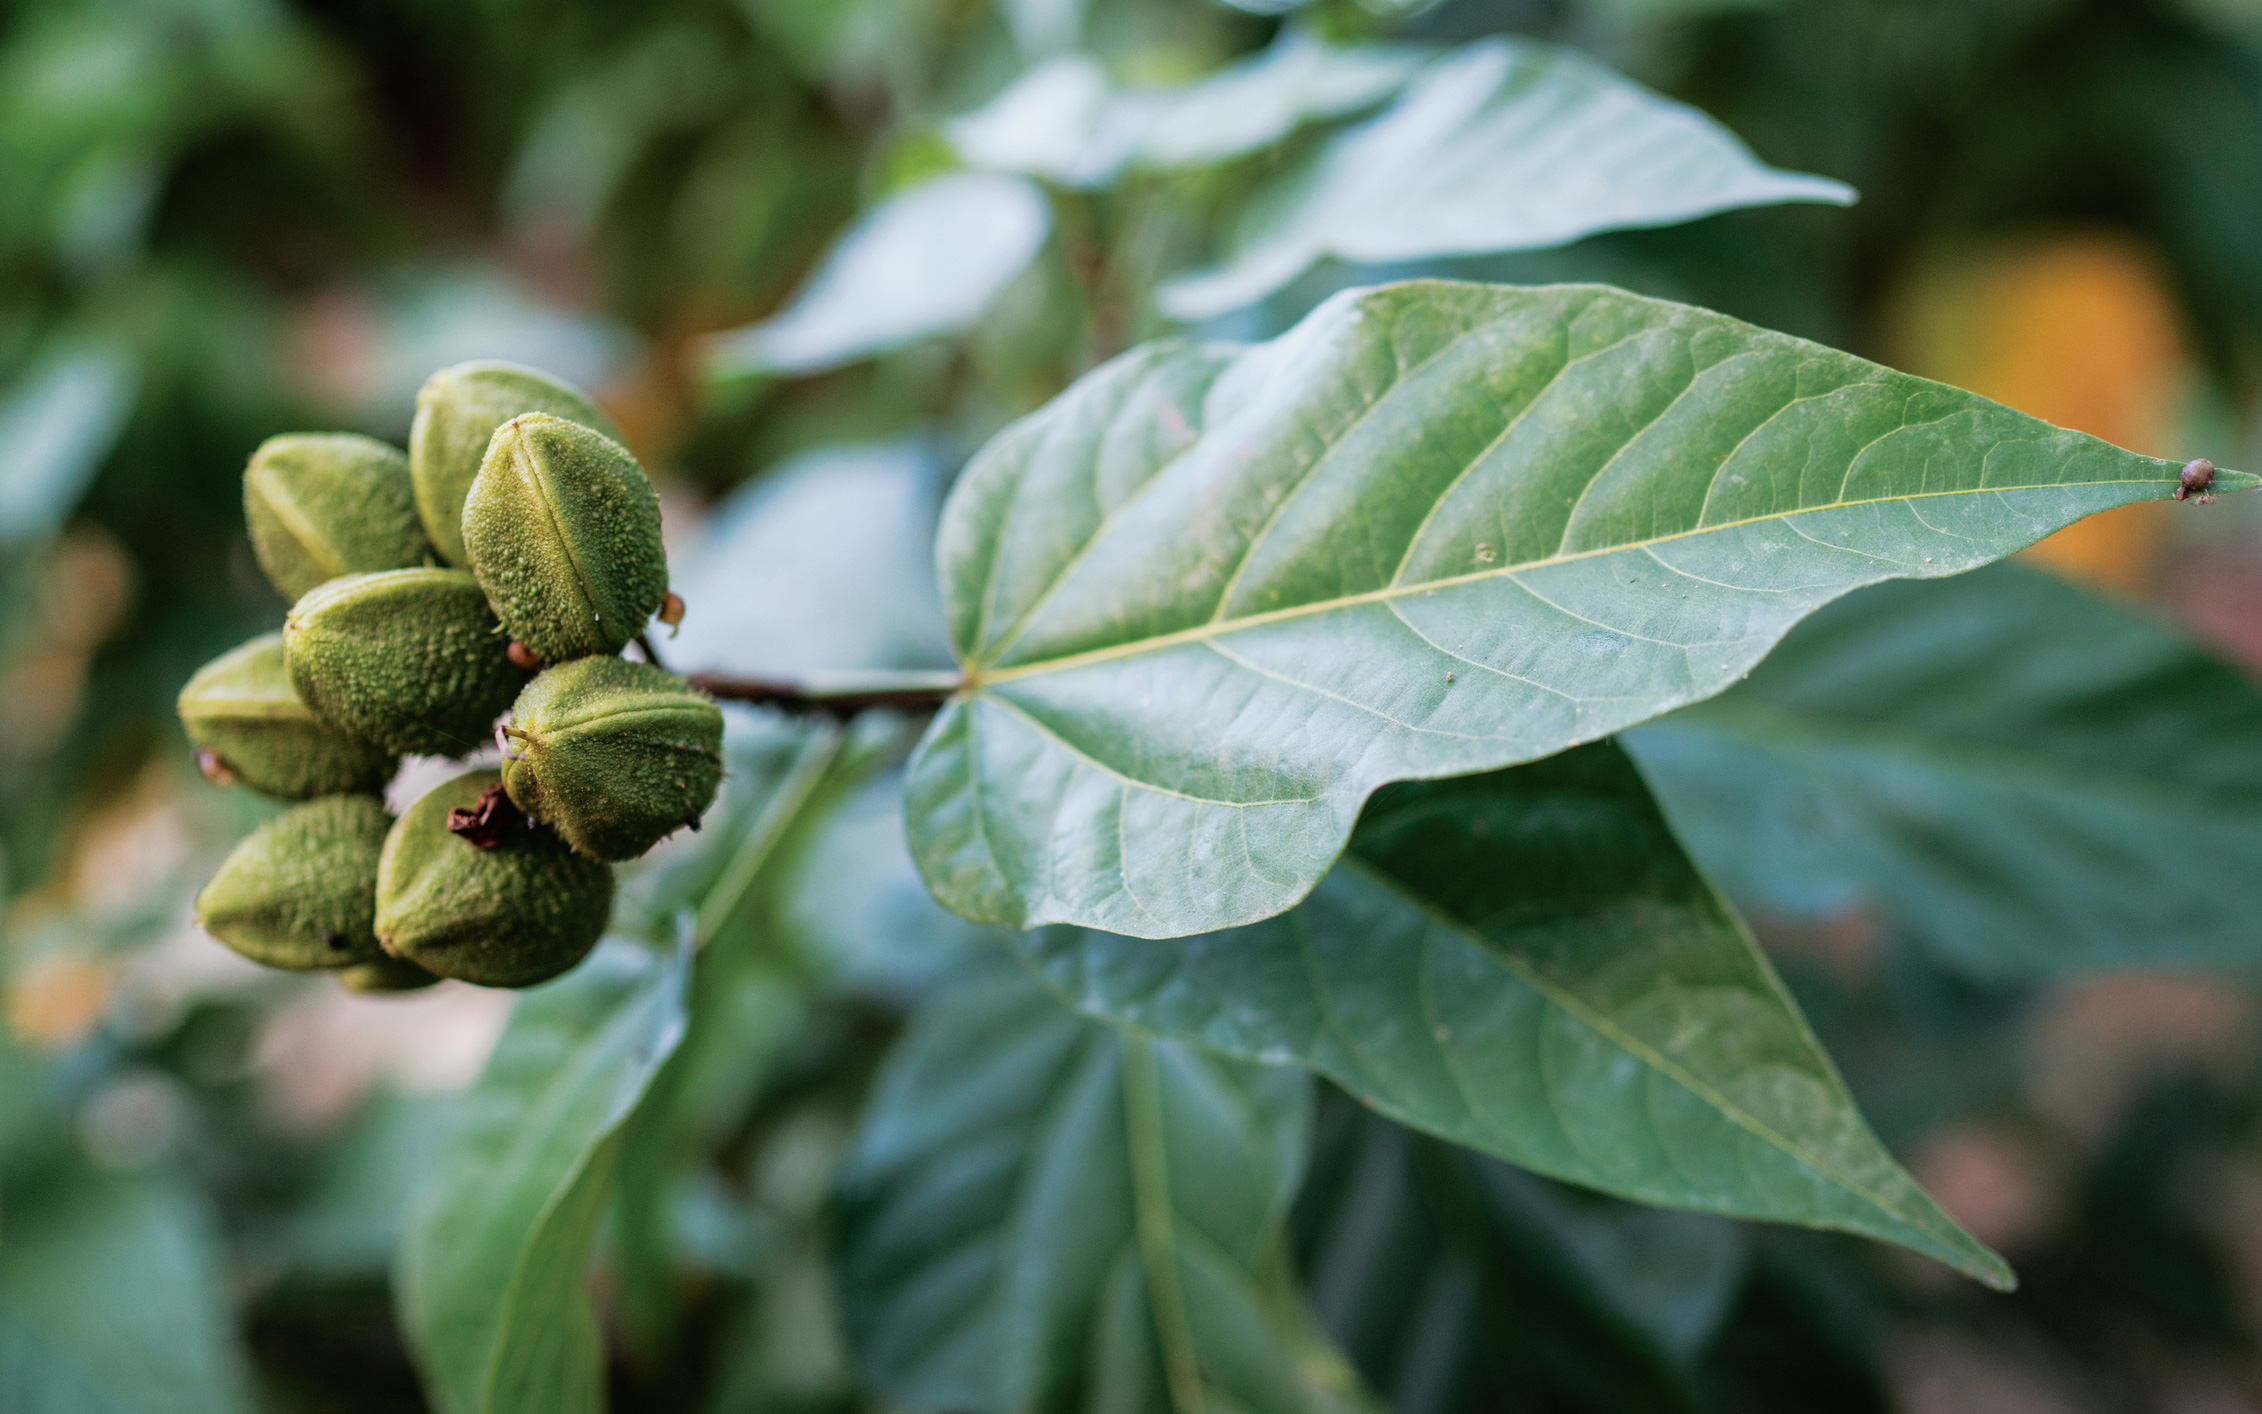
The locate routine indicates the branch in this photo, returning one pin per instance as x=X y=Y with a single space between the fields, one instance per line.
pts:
x=843 y=703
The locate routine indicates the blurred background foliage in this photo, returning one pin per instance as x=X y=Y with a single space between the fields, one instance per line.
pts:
x=221 y=219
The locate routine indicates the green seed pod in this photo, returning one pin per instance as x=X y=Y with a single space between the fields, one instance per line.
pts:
x=322 y=504
x=409 y=659
x=564 y=534
x=495 y=901
x=249 y=725
x=613 y=755
x=386 y=974
x=456 y=415
x=301 y=891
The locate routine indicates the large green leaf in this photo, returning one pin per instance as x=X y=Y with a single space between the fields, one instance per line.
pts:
x=1502 y=145
x=493 y=1273
x=111 y=1301
x=2020 y=773
x=1526 y=963
x=1213 y=596
x=1041 y=1212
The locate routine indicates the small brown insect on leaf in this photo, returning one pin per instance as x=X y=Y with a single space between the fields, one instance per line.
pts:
x=522 y=657
x=486 y=824
x=671 y=612
x=2197 y=475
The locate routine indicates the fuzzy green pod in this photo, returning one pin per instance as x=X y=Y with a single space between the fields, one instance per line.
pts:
x=457 y=413
x=410 y=659
x=323 y=504
x=386 y=974
x=613 y=755
x=518 y=911
x=249 y=725
x=300 y=892
x=564 y=534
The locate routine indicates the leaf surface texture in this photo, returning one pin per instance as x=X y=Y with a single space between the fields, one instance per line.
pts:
x=1042 y=1212
x=1213 y=596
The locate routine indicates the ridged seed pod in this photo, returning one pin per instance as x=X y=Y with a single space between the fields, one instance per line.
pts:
x=249 y=725
x=564 y=534
x=518 y=911
x=613 y=755
x=410 y=659
x=457 y=413
x=323 y=504
x=386 y=974
x=300 y=892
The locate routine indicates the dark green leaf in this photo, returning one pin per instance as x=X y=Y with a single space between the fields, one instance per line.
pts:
x=1456 y=1282
x=1041 y=1212
x=2024 y=775
x=111 y=1301
x=1502 y=145
x=1213 y=596
x=493 y=1273
x=1526 y=963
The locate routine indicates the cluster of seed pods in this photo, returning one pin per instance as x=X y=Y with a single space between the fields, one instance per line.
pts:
x=495 y=570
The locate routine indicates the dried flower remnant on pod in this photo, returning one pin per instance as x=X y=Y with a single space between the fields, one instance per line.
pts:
x=517 y=913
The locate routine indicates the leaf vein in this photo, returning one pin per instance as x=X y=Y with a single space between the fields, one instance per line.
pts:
x=1099 y=765
x=1200 y=632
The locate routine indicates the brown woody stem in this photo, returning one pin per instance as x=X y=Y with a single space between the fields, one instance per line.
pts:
x=798 y=697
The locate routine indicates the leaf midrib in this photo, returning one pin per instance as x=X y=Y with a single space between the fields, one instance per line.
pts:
x=978 y=677
x=1154 y=1221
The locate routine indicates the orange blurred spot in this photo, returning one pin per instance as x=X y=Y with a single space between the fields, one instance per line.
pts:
x=2076 y=328
x=54 y=1001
